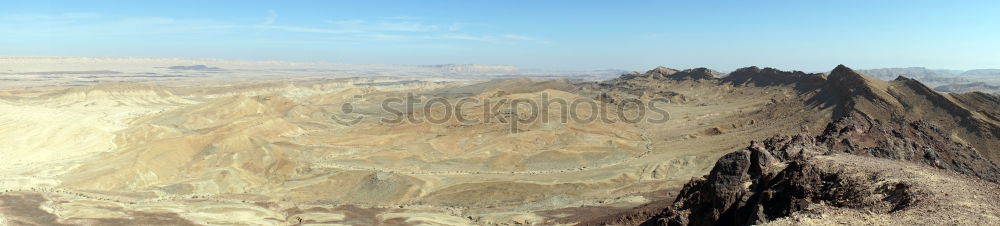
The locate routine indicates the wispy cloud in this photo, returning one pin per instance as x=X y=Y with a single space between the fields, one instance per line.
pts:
x=392 y=28
x=399 y=28
x=270 y=18
x=506 y=39
x=406 y=26
x=304 y=29
x=345 y=23
x=518 y=37
x=149 y=21
x=466 y=37
x=269 y=23
x=405 y=18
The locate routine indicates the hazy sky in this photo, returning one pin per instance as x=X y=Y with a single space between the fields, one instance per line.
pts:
x=803 y=35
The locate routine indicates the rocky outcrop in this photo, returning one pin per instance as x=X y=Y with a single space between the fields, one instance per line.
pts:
x=970 y=117
x=845 y=83
x=779 y=176
x=919 y=142
x=695 y=74
x=770 y=77
x=649 y=85
x=660 y=72
x=856 y=164
x=665 y=73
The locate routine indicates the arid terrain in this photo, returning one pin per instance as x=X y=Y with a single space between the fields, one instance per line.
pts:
x=145 y=141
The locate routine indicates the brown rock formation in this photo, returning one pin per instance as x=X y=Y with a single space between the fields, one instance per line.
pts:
x=770 y=77
x=786 y=175
x=776 y=177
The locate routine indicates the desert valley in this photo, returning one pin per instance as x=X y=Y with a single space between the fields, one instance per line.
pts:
x=165 y=141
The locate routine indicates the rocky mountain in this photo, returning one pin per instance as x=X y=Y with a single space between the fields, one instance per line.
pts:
x=910 y=100
x=770 y=77
x=851 y=171
x=665 y=73
x=841 y=92
x=695 y=74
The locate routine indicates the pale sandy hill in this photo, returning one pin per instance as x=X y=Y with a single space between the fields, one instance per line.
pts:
x=513 y=85
x=233 y=141
x=269 y=144
x=47 y=135
x=112 y=94
x=33 y=134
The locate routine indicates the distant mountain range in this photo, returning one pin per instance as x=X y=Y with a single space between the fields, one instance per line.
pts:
x=970 y=87
x=920 y=72
x=982 y=80
x=982 y=72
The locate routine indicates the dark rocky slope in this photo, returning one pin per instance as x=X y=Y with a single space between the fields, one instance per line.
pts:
x=844 y=169
x=664 y=73
x=771 y=77
x=897 y=124
x=971 y=118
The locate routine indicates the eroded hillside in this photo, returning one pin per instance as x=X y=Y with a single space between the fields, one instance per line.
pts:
x=320 y=150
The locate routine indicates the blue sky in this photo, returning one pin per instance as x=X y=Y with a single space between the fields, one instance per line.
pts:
x=632 y=35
